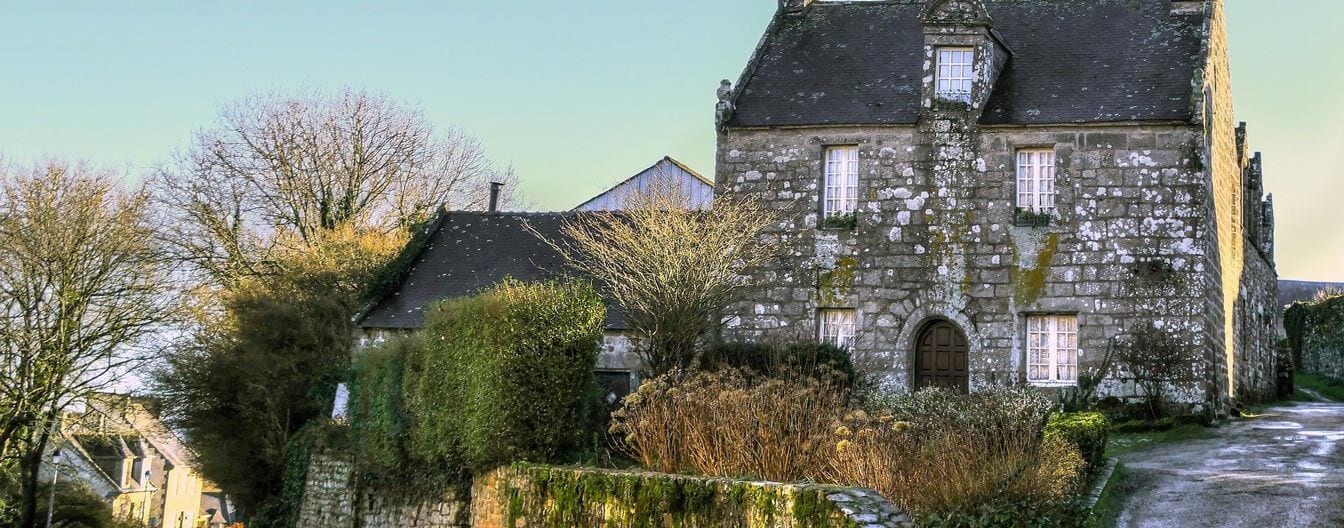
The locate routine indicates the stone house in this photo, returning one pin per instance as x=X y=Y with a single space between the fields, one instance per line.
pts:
x=465 y=252
x=982 y=192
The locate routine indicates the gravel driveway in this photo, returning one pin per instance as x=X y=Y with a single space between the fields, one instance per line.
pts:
x=1285 y=468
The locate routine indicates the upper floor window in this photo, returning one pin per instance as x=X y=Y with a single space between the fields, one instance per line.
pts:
x=1036 y=180
x=842 y=181
x=836 y=327
x=956 y=72
x=1052 y=349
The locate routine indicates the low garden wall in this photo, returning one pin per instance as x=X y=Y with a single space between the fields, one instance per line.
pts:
x=553 y=497
x=1316 y=334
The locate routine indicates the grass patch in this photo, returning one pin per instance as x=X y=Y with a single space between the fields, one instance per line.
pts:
x=1107 y=510
x=1122 y=443
x=1329 y=387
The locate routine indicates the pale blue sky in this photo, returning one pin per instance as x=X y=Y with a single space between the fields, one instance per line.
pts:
x=575 y=94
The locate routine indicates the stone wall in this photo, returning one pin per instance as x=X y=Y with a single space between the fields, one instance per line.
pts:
x=328 y=493
x=1320 y=337
x=936 y=239
x=333 y=498
x=551 y=497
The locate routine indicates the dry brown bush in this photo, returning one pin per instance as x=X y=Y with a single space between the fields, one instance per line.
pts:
x=933 y=452
x=942 y=453
x=731 y=423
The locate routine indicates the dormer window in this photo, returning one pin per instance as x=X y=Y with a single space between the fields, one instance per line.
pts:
x=956 y=72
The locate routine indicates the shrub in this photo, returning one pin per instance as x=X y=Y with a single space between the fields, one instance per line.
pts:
x=731 y=423
x=809 y=358
x=504 y=376
x=951 y=458
x=378 y=422
x=1087 y=431
x=1006 y=412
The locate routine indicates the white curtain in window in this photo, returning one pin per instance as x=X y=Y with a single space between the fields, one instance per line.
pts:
x=1052 y=349
x=956 y=73
x=837 y=327
x=842 y=180
x=1036 y=180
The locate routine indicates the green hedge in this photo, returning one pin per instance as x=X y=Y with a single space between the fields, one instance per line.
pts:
x=378 y=422
x=504 y=376
x=1087 y=430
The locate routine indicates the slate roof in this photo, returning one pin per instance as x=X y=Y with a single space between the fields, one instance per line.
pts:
x=1291 y=291
x=469 y=252
x=1074 y=61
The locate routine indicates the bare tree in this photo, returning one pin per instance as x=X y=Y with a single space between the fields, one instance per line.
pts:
x=303 y=165
x=672 y=270
x=1158 y=360
x=81 y=293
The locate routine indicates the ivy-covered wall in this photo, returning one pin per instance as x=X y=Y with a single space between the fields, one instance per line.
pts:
x=553 y=497
x=536 y=496
x=1316 y=333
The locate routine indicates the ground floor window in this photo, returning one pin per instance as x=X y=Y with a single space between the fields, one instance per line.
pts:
x=1052 y=349
x=615 y=385
x=836 y=326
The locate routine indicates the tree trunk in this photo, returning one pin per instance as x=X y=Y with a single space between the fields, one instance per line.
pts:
x=32 y=467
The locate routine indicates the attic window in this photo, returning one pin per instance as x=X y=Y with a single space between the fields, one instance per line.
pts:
x=956 y=72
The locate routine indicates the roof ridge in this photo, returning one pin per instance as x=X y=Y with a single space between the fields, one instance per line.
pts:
x=688 y=169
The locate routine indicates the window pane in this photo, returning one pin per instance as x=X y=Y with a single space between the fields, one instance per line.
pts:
x=837 y=327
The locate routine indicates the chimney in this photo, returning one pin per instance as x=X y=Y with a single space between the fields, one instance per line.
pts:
x=495 y=188
x=793 y=7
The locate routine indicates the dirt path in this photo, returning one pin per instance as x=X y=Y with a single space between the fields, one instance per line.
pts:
x=1283 y=469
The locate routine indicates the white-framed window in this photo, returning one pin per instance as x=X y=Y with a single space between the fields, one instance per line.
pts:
x=1036 y=180
x=836 y=326
x=841 y=180
x=956 y=73
x=1052 y=349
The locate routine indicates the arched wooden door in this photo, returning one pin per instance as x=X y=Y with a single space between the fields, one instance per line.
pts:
x=941 y=358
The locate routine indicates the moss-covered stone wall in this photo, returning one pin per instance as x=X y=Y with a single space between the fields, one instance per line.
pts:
x=1316 y=331
x=551 y=497
x=333 y=496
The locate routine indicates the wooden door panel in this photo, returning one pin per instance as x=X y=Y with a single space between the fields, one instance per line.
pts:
x=942 y=357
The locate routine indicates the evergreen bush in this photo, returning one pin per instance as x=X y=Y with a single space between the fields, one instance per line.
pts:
x=504 y=376
x=1088 y=431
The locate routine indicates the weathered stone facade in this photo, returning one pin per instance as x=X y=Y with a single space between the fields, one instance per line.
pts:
x=1142 y=208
